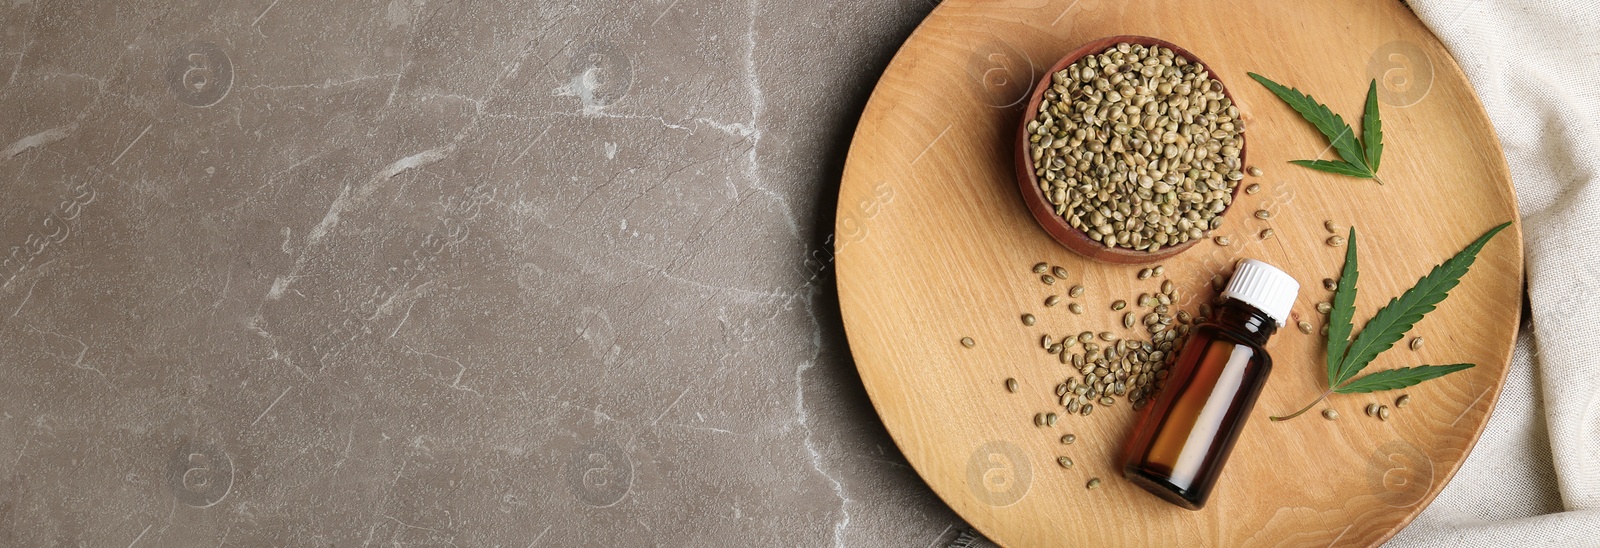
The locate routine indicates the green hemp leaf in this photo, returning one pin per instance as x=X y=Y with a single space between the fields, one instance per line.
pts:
x=1347 y=358
x=1358 y=158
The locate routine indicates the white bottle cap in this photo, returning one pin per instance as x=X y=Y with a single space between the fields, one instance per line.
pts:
x=1265 y=287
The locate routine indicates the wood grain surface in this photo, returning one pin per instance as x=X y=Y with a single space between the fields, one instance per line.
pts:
x=934 y=244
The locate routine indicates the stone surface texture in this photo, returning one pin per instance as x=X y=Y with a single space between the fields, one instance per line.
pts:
x=436 y=273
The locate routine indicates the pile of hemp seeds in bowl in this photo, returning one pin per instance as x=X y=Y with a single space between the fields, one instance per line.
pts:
x=1137 y=147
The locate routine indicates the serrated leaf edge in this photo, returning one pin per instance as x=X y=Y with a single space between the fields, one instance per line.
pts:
x=1332 y=126
x=1391 y=322
x=1344 y=311
x=1338 y=167
x=1372 y=130
x=1402 y=378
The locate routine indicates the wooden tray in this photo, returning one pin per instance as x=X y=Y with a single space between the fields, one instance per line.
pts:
x=934 y=244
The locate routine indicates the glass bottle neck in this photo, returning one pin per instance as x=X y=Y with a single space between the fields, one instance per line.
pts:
x=1245 y=320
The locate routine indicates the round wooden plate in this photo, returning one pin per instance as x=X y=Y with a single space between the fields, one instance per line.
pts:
x=934 y=244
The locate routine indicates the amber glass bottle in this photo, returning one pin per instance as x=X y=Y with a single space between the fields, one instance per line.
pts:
x=1184 y=437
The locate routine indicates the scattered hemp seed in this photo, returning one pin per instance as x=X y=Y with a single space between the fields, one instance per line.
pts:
x=1144 y=274
x=1333 y=228
x=1263 y=214
x=1267 y=233
x=1252 y=189
x=1305 y=327
x=1094 y=483
x=1064 y=462
x=1075 y=292
x=1108 y=365
x=1402 y=401
x=1416 y=343
x=1335 y=241
x=1372 y=409
x=1069 y=439
x=968 y=342
x=1383 y=412
x=1330 y=284
x=1048 y=279
x=1052 y=300
x=1041 y=268
x=1059 y=272
x=1325 y=308
x=1222 y=240
x=1255 y=171
x=1330 y=414
x=1029 y=320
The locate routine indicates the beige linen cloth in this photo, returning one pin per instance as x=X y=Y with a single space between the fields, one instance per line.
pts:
x=1534 y=477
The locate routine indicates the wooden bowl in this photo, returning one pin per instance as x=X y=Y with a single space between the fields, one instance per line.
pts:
x=1044 y=211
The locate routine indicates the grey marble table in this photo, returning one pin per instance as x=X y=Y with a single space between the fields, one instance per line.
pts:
x=434 y=272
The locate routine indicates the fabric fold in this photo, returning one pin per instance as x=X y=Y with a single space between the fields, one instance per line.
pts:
x=1534 y=477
